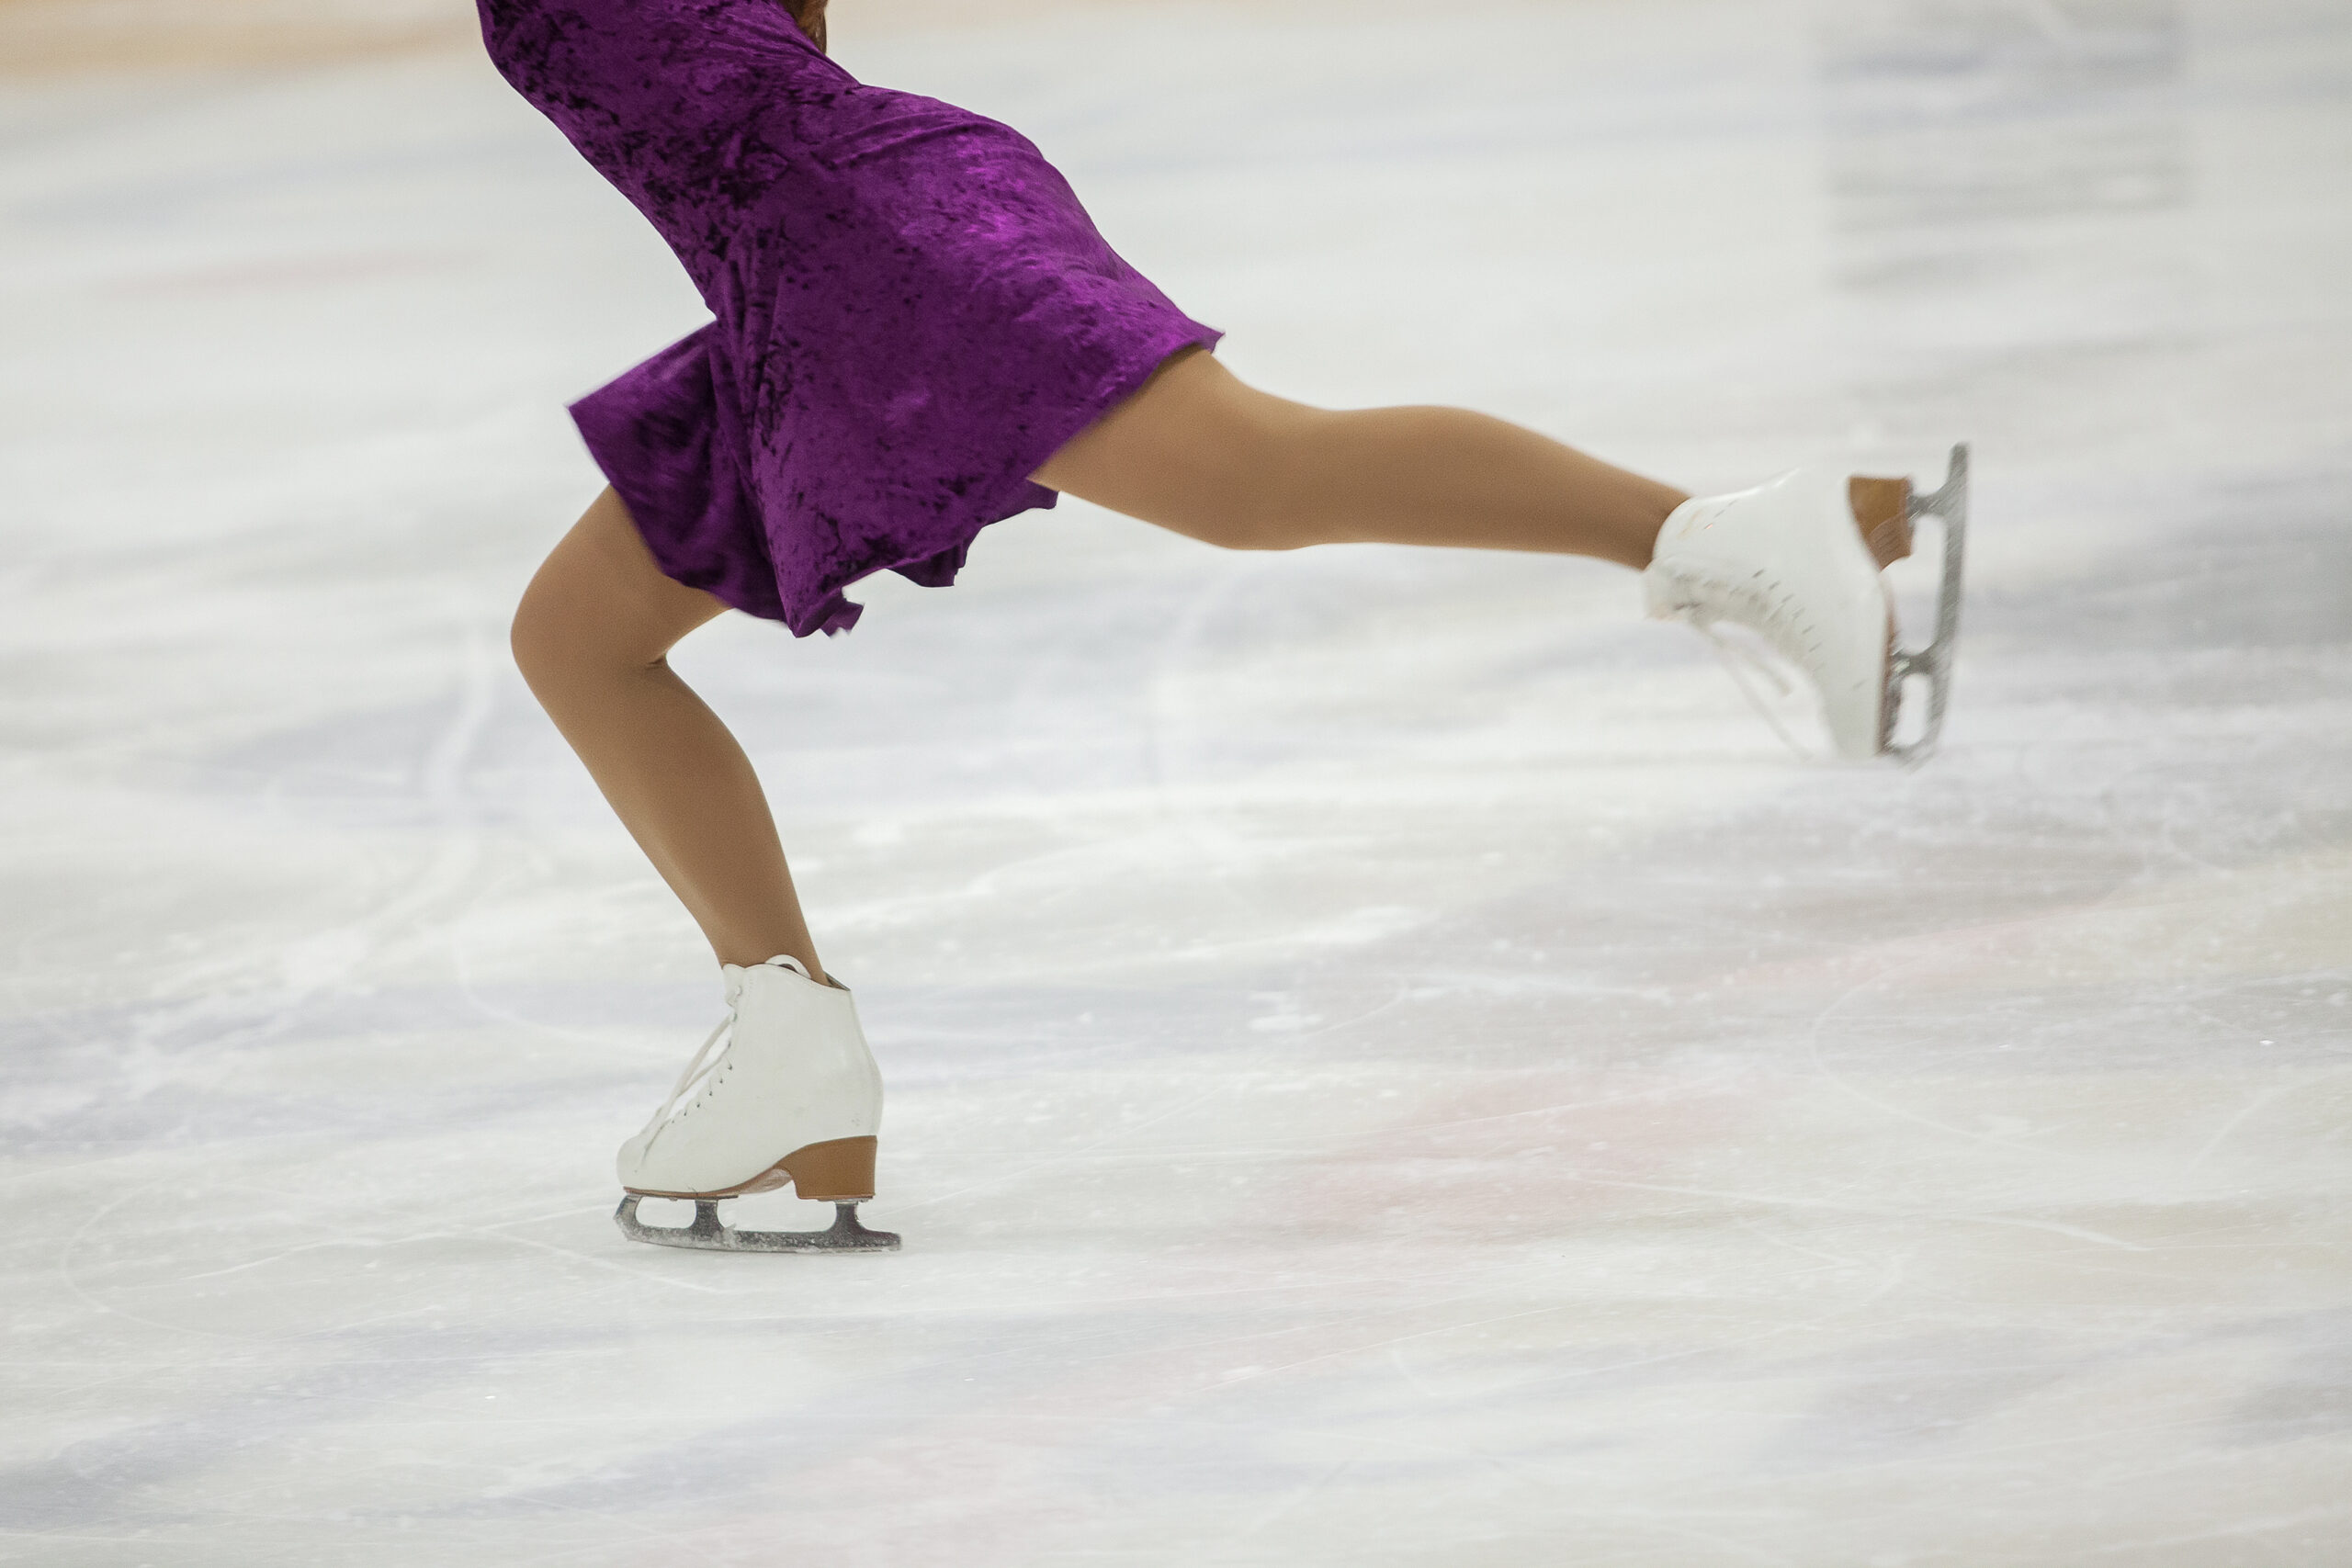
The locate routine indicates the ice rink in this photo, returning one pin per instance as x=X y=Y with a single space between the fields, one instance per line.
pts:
x=1390 y=1061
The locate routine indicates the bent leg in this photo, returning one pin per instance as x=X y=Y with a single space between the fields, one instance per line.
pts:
x=592 y=638
x=1199 y=452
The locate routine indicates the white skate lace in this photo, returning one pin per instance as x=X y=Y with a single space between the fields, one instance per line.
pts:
x=1740 y=663
x=700 y=1068
x=696 y=1070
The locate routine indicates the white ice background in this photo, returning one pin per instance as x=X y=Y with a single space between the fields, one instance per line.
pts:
x=1389 y=1062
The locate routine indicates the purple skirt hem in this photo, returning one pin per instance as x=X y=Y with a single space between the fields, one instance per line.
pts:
x=704 y=525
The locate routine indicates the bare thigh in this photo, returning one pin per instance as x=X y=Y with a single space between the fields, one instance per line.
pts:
x=1197 y=451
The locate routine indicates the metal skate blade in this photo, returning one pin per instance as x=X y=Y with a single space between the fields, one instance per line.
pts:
x=1931 y=666
x=710 y=1234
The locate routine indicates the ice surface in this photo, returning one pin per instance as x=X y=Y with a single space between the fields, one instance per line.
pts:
x=1389 y=1063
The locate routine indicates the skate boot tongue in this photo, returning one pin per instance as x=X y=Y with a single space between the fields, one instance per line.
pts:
x=735 y=974
x=780 y=961
x=702 y=1062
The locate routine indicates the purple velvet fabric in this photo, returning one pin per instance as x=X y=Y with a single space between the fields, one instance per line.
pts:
x=912 y=311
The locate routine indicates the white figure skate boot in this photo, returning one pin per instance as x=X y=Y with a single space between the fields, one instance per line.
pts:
x=795 y=1097
x=1799 y=562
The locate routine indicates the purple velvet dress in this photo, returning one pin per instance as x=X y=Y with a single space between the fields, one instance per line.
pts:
x=912 y=311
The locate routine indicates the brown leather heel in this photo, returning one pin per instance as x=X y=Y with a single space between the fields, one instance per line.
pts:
x=1882 y=513
x=838 y=1171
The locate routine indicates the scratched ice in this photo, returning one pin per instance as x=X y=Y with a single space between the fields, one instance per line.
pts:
x=1389 y=1063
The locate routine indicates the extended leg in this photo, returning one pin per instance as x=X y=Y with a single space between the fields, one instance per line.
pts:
x=592 y=637
x=1798 y=560
x=1201 y=453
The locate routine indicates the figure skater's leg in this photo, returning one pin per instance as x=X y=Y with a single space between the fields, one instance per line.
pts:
x=1201 y=453
x=592 y=637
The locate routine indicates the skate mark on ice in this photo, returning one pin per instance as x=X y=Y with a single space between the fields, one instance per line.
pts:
x=2055 y=1227
x=1049 y=1161
x=66 y=1269
x=1770 y=1239
x=440 y=780
x=2262 y=1099
x=1891 y=1274
x=66 y=1259
x=1161 y=725
x=1298 y=1497
x=2223 y=1532
x=485 y=1233
x=1838 y=1082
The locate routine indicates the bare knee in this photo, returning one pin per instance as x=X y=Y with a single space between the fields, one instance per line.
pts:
x=550 y=642
x=599 y=609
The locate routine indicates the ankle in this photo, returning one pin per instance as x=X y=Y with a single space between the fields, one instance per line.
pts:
x=1642 y=547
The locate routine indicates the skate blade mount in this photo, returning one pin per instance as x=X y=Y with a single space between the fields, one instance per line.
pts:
x=710 y=1234
x=1933 y=662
